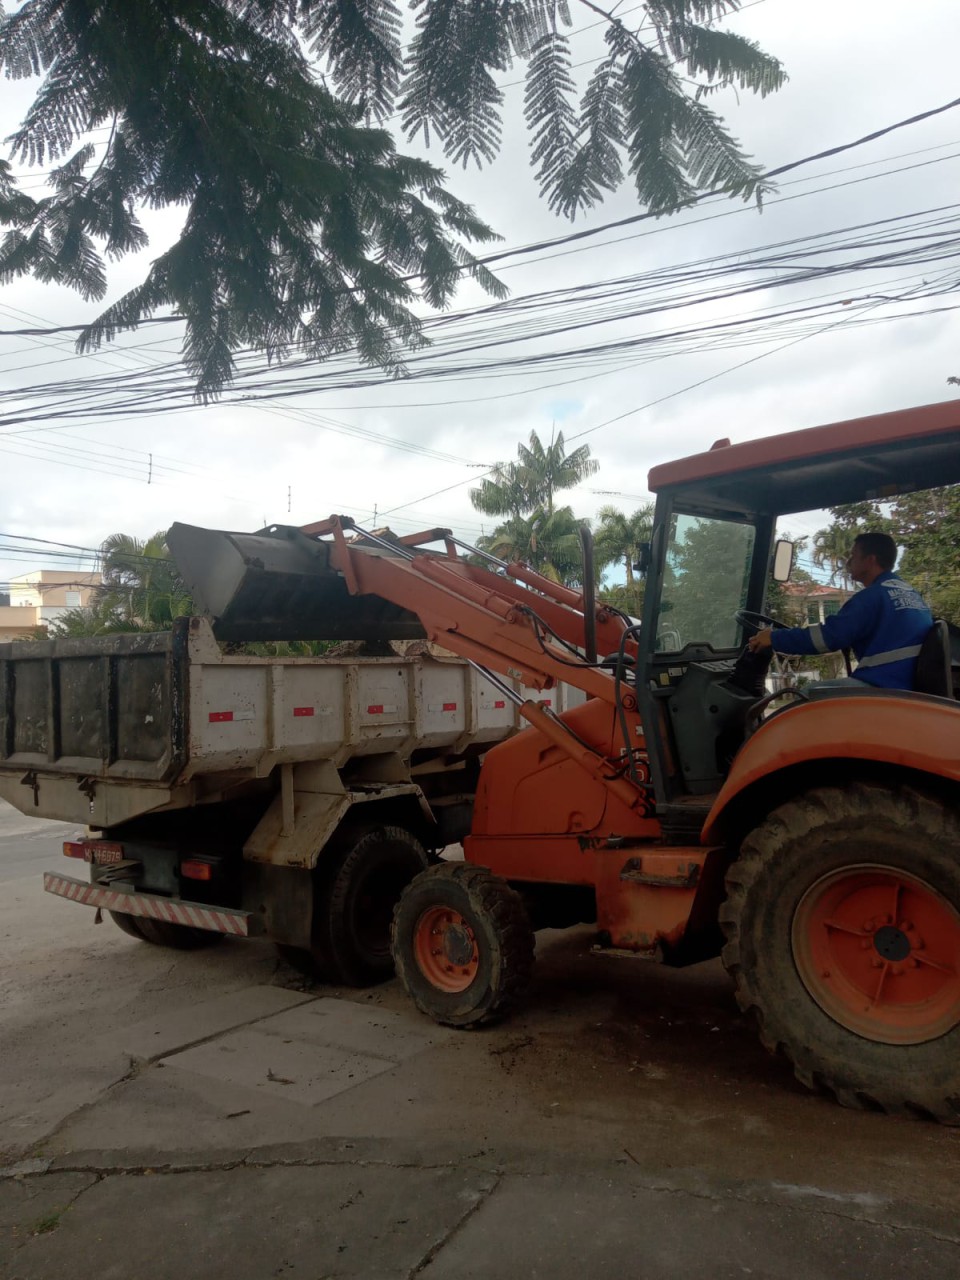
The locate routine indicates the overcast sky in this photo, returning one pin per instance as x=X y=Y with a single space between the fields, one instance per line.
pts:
x=854 y=67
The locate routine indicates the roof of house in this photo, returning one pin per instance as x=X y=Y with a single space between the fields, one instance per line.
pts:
x=810 y=589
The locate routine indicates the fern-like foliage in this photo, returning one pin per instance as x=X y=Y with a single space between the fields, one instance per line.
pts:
x=595 y=164
x=361 y=41
x=305 y=229
x=458 y=46
x=549 y=111
x=724 y=57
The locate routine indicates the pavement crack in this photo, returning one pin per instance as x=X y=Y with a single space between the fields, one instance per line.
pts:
x=157 y=1166
x=55 y=1216
x=435 y=1249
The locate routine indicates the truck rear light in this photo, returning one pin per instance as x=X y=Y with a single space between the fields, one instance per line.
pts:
x=74 y=849
x=194 y=869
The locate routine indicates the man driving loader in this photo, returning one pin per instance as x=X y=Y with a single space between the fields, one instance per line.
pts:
x=884 y=624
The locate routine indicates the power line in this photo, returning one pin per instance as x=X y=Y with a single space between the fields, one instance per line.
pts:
x=571 y=237
x=937 y=241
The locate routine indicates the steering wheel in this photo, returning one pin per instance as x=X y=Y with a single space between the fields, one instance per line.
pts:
x=754 y=621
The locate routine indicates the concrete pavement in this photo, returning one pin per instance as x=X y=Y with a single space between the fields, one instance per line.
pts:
x=176 y=1168
x=207 y=1115
x=338 y=1208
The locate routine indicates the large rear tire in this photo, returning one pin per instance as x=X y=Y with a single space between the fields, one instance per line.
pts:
x=842 y=923
x=161 y=933
x=462 y=944
x=358 y=882
x=127 y=924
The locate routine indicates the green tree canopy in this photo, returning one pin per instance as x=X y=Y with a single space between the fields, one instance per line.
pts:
x=305 y=229
x=926 y=527
x=705 y=581
x=548 y=541
x=619 y=536
x=140 y=590
x=140 y=582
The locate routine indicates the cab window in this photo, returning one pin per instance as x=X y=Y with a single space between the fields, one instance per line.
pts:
x=705 y=581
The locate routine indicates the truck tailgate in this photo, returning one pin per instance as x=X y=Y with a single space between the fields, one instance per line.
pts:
x=102 y=707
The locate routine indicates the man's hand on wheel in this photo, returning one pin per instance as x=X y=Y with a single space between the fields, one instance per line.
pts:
x=760 y=641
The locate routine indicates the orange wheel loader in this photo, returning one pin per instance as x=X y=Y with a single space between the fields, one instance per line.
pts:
x=812 y=839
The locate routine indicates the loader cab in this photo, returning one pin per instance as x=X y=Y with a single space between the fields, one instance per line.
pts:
x=712 y=555
x=695 y=684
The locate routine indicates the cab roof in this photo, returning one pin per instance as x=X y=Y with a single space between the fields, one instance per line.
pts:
x=864 y=458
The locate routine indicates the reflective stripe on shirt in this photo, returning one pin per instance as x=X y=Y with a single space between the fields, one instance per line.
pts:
x=891 y=655
x=816 y=635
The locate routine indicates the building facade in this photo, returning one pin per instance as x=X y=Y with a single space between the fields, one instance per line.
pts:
x=37 y=598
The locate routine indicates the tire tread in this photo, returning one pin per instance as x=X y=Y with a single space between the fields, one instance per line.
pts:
x=799 y=820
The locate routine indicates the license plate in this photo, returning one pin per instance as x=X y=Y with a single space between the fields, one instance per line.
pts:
x=104 y=854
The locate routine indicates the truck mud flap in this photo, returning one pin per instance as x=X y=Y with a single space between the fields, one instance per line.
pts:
x=193 y=914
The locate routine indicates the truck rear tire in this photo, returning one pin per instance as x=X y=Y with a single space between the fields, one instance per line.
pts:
x=357 y=886
x=842 y=923
x=161 y=933
x=462 y=944
x=127 y=924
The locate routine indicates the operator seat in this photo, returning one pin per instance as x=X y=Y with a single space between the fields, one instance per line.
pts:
x=935 y=663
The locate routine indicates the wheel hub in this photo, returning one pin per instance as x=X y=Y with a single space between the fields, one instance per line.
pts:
x=878 y=950
x=891 y=943
x=446 y=951
x=457 y=944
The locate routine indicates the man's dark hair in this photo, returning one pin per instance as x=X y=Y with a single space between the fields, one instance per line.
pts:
x=879 y=545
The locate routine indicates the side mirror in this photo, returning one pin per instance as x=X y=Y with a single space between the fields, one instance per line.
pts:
x=783 y=560
x=643 y=559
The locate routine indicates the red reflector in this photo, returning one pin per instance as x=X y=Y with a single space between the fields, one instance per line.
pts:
x=193 y=869
x=376 y=710
x=303 y=711
x=74 y=849
x=218 y=716
x=449 y=706
x=499 y=706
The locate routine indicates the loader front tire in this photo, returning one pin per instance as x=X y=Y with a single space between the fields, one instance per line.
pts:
x=842 y=925
x=462 y=944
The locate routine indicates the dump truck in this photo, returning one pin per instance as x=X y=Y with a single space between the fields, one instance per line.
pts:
x=230 y=795
x=810 y=838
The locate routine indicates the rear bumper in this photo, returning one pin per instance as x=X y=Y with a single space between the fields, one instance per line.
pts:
x=174 y=911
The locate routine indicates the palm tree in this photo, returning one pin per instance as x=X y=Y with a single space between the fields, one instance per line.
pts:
x=529 y=484
x=831 y=550
x=619 y=536
x=98 y=618
x=547 y=541
x=140 y=583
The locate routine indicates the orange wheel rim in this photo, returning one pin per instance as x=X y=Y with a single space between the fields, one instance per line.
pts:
x=879 y=951
x=446 y=949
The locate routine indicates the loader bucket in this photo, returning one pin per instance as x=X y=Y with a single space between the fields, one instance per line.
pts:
x=278 y=585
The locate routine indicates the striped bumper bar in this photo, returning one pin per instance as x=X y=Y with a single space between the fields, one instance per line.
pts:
x=193 y=914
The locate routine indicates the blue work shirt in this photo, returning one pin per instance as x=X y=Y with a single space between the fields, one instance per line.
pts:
x=884 y=625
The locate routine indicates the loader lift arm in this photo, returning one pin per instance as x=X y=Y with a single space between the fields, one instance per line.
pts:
x=521 y=626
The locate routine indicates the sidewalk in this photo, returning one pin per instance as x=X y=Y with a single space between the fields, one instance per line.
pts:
x=274 y=1132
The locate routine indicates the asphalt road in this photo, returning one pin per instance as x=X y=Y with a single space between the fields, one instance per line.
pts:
x=30 y=846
